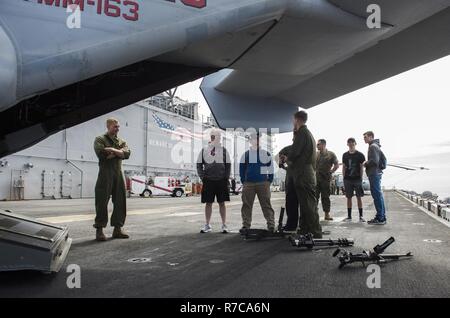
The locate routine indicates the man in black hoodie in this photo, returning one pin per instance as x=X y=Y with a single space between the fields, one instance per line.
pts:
x=374 y=170
x=213 y=168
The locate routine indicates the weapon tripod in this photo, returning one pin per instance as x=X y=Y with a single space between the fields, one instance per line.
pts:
x=296 y=240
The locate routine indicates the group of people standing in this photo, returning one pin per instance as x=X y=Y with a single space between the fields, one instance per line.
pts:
x=353 y=165
x=308 y=176
x=256 y=174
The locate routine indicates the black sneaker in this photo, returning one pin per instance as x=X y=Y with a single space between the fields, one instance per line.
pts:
x=289 y=230
x=243 y=230
x=375 y=221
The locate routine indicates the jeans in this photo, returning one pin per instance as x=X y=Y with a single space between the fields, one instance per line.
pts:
x=377 y=195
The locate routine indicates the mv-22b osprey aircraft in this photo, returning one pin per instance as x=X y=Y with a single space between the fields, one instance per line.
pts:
x=275 y=55
x=63 y=62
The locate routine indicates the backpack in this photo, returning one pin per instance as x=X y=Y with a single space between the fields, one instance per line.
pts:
x=382 y=164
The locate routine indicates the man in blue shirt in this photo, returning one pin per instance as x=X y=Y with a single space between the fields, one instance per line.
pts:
x=256 y=172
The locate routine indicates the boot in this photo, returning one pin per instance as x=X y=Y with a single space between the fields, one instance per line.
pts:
x=119 y=234
x=99 y=235
x=328 y=217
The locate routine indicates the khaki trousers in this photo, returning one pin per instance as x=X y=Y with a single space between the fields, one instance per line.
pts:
x=262 y=190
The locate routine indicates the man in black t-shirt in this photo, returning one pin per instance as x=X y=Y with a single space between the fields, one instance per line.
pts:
x=352 y=170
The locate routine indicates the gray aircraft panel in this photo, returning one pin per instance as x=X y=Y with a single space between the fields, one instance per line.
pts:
x=51 y=55
x=312 y=38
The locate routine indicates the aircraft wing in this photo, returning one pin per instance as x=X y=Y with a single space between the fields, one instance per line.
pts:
x=319 y=52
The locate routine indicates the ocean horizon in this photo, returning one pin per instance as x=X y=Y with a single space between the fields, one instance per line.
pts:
x=436 y=179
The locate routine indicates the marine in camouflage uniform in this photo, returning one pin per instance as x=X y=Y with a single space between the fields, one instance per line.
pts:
x=327 y=163
x=301 y=166
x=333 y=185
x=110 y=150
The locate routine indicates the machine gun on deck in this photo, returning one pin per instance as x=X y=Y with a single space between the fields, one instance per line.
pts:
x=375 y=256
x=309 y=242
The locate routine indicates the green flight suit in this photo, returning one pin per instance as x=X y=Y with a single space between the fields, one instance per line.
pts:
x=301 y=166
x=323 y=174
x=110 y=182
x=291 y=203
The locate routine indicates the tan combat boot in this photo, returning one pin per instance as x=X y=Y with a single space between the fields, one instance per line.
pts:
x=99 y=235
x=118 y=233
x=328 y=217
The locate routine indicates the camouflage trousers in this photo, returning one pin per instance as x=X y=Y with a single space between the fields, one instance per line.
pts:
x=323 y=192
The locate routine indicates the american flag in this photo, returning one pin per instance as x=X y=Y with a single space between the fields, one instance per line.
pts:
x=162 y=124
x=177 y=132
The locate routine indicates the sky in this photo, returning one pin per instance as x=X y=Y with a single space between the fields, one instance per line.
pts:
x=409 y=113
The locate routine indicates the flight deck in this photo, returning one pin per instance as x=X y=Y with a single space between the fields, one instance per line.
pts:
x=168 y=257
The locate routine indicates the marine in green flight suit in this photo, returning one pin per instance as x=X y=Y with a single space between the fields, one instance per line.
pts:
x=291 y=204
x=326 y=164
x=301 y=166
x=110 y=150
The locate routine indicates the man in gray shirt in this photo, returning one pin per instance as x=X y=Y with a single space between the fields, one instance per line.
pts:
x=214 y=167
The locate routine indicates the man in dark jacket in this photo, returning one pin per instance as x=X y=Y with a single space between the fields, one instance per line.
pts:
x=375 y=172
x=213 y=168
x=301 y=165
x=256 y=172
